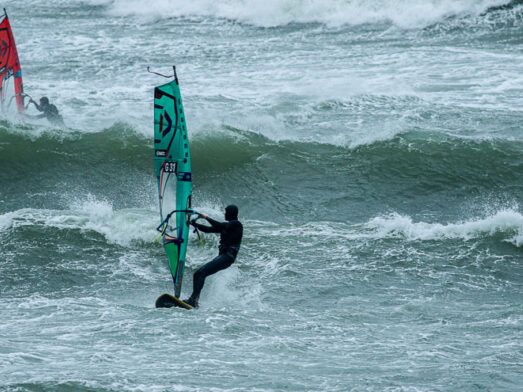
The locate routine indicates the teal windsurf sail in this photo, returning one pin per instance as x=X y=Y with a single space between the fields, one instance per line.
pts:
x=172 y=161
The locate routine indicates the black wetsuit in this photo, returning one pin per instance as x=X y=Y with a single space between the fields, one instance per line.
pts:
x=50 y=112
x=231 y=233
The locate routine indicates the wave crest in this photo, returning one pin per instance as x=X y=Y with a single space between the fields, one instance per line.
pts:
x=122 y=227
x=507 y=221
x=271 y=13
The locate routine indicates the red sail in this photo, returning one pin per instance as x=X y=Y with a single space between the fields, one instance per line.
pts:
x=10 y=64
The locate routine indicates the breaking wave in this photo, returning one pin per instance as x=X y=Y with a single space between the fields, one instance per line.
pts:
x=506 y=222
x=271 y=13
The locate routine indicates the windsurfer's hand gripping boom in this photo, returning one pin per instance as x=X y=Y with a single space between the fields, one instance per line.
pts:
x=162 y=227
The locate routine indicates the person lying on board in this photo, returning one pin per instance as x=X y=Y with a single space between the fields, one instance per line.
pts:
x=231 y=233
x=48 y=110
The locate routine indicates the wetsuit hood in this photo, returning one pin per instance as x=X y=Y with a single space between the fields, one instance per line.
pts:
x=231 y=212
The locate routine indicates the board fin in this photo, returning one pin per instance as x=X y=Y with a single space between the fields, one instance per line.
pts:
x=168 y=301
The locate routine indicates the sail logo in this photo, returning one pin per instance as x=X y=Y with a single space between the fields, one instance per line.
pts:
x=169 y=123
x=184 y=176
x=4 y=48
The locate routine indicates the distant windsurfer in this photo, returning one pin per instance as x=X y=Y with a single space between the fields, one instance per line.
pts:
x=48 y=110
x=231 y=233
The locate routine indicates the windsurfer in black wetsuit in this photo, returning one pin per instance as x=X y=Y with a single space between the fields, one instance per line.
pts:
x=231 y=233
x=48 y=110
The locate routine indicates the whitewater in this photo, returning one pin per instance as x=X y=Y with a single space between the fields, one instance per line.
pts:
x=374 y=149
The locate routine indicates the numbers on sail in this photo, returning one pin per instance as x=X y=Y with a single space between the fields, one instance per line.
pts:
x=169 y=167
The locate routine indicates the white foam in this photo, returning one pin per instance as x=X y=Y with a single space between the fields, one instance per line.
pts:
x=507 y=222
x=504 y=221
x=269 y=13
x=122 y=227
x=6 y=221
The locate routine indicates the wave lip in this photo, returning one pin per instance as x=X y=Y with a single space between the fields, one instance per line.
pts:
x=272 y=13
x=506 y=221
x=122 y=227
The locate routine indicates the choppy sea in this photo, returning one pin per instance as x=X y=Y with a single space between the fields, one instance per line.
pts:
x=374 y=148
